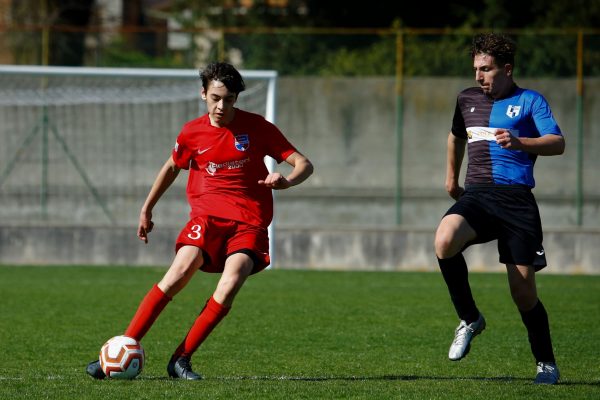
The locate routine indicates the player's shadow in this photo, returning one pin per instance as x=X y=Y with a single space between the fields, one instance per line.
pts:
x=377 y=378
x=371 y=378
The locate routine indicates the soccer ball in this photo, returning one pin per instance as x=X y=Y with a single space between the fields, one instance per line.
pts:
x=122 y=357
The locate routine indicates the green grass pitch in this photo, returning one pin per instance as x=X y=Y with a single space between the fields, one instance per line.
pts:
x=293 y=335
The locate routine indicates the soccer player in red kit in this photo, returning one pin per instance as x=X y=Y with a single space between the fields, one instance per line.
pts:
x=229 y=191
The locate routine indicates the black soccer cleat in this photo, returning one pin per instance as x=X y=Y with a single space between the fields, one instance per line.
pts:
x=181 y=368
x=95 y=370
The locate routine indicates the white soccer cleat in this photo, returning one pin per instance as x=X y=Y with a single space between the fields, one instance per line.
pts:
x=462 y=338
x=547 y=374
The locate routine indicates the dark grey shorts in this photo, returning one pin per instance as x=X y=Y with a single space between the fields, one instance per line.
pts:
x=508 y=214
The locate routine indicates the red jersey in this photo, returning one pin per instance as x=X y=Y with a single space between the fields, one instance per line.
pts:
x=225 y=165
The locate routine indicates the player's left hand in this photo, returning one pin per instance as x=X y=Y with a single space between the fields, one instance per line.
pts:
x=275 y=181
x=506 y=140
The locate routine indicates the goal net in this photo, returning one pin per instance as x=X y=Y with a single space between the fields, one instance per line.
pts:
x=82 y=146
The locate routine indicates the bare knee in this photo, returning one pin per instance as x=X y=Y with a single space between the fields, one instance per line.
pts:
x=227 y=288
x=180 y=272
x=446 y=243
x=229 y=285
x=524 y=297
x=451 y=236
x=237 y=269
x=443 y=245
x=175 y=280
x=523 y=289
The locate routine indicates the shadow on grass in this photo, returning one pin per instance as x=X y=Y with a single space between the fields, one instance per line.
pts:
x=378 y=378
x=369 y=378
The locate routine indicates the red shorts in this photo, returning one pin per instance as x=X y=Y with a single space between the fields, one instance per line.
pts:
x=219 y=238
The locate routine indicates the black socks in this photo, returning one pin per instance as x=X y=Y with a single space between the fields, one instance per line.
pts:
x=455 y=273
x=538 y=330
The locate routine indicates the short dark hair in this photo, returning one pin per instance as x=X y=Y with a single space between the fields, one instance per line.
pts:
x=501 y=47
x=223 y=72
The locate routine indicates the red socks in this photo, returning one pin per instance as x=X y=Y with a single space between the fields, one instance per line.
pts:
x=147 y=312
x=151 y=307
x=210 y=316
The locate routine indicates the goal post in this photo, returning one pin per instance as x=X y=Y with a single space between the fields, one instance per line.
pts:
x=80 y=145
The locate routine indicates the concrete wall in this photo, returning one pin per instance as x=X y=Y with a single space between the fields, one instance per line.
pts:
x=323 y=249
x=344 y=216
x=348 y=128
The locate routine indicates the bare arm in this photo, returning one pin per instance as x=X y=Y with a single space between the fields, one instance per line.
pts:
x=166 y=176
x=302 y=169
x=455 y=155
x=547 y=145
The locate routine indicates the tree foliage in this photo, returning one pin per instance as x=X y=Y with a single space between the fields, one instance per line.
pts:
x=545 y=35
x=296 y=38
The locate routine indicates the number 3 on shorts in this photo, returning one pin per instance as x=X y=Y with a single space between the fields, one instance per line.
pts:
x=196 y=232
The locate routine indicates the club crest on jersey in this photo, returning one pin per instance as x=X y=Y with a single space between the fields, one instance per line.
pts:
x=242 y=142
x=513 y=111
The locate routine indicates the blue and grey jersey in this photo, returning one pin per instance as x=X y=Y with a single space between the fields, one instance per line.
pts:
x=477 y=116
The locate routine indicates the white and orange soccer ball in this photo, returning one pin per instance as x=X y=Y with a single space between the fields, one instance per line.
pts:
x=122 y=357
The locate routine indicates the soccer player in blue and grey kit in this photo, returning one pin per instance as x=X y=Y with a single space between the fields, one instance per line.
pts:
x=504 y=128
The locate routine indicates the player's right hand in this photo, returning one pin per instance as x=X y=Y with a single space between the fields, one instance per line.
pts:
x=145 y=226
x=455 y=192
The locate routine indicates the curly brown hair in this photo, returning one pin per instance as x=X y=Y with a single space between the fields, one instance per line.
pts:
x=501 y=47
x=223 y=72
